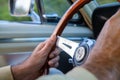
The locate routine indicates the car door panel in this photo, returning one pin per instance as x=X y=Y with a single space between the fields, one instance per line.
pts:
x=20 y=37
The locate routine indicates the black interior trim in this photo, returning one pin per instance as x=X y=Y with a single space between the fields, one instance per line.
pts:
x=101 y=15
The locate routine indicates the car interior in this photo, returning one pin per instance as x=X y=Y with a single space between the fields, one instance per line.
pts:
x=101 y=14
x=18 y=39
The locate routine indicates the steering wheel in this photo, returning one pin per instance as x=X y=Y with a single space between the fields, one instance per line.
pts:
x=64 y=20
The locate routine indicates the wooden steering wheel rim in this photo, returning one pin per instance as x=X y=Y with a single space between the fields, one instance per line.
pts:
x=62 y=24
x=67 y=16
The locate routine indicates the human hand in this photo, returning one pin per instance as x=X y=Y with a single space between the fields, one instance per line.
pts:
x=30 y=69
x=104 y=58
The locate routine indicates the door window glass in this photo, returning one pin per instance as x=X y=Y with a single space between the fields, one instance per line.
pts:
x=56 y=7
x=101 y=2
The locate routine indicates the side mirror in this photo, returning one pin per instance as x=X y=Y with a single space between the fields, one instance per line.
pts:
x=20 y=7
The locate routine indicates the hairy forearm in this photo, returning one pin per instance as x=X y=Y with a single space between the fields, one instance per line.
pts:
x=104 y=59
x=101 y=67
x=104 y=66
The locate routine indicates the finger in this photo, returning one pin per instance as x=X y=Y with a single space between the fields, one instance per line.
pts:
x=54 y=65
x=40 y=45
x=55 y=53
x=53 y=61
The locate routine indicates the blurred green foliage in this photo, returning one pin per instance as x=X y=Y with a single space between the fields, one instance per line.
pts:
x=5 y=15
x=105 y=1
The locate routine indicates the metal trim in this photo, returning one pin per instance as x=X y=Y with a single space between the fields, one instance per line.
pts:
x=21 y=40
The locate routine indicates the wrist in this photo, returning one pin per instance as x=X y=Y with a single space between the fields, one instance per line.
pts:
x=19 y=72
x=25 y=71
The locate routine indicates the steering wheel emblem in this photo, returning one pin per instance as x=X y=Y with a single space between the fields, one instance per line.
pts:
x=80 y=53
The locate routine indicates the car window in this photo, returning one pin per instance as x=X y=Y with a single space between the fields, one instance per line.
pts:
x=56 y=7
x=51 y=8
x=101 y=2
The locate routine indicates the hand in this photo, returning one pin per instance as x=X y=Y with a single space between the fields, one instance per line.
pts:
x=104 y=59
x=30 y=69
